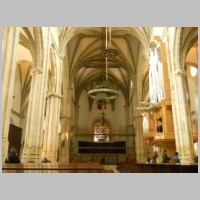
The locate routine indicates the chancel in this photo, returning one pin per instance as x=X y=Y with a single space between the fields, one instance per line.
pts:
x=90 y=98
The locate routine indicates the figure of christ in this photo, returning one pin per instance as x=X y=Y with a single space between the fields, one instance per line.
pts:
x=104 y=130
x=102 y=106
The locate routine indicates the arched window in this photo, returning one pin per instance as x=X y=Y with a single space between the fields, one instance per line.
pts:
x=193 y=71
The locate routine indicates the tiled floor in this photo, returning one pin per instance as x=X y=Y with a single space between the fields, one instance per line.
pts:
x=113 y=167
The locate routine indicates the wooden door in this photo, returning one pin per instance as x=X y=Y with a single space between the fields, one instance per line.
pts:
x=14 y=137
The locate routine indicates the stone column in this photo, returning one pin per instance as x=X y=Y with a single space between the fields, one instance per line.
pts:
x=140 y=144
x=66 y=127
x=35 y=117
x=183 y=129
x=141 y=155
x=50 y=141
x=10 y=39
x=180 y=108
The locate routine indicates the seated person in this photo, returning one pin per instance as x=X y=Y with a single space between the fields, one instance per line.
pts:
x=176 y=158
x=165 y=158
x=154 y=157
x=103 y=160
x=45 y=160
x=12 y=156
x=196 y=159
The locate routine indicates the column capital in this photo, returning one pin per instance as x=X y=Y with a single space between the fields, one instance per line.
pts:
x=36 y=70
x=181 y=72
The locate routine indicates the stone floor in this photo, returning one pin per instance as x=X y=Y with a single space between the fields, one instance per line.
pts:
x=112 y=167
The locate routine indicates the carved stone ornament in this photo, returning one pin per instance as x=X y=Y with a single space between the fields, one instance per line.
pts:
x=36 y=70
x=181 y=72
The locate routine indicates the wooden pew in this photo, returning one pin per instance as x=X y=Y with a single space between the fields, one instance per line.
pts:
x=108 y=171
x=189 y=168
x=54 y=168
x=124 y=167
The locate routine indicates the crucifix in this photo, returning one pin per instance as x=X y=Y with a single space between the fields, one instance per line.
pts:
x=102 y=128
x=102 y=107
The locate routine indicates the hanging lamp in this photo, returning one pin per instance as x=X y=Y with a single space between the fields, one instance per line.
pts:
x=105 y=87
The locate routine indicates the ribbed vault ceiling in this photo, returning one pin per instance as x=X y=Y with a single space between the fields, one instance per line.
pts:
x=82 y=48
x=88 y=66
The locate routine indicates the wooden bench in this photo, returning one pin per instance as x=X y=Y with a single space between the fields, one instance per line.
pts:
x=157 y=168
x=54 y=168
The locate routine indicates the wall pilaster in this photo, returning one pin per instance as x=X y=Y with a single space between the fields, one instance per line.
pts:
x=77 y=108
x=10 y=39
x=126 y=109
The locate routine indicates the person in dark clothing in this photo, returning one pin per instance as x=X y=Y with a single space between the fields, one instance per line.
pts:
x=176 y=158
x=154 y=157
x=12 y=156
x=165 y=158
x=45 y=160
x=196 y=159
x=103 y=160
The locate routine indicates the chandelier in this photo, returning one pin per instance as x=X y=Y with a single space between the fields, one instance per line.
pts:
x=105 y=87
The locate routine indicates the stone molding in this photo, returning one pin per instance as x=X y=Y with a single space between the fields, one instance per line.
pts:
x=54 y=94
x=55 y=47
x=65 y=117
x=17 y=114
